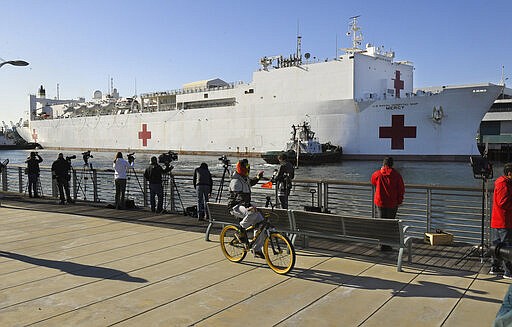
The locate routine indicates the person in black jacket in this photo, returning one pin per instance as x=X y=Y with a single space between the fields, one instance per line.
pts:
x=33 y=170
x=283 y=178
x=60 y=169
x=203 y=184
x=153 y=175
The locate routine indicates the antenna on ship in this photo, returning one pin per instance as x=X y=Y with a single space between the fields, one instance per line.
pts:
x=299 y=44
x=357 y=36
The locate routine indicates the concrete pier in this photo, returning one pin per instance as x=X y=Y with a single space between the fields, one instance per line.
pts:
x=88 y=266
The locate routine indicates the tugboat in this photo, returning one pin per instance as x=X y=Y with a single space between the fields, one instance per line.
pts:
x=305 y=149
x=10 y=140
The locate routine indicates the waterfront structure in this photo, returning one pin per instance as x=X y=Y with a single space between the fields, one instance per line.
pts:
x=363 y=101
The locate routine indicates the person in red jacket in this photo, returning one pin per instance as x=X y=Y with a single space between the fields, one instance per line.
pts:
x=501 y=220
x=389 y=189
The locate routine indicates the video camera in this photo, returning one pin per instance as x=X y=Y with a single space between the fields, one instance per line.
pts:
x=3 y=164
x=69 y=158
x=225 y=161
x=482 y=168
x=131 y=157
x=168 y=157
x=502 y=251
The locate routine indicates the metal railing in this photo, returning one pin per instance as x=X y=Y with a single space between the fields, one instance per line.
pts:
x=426 y=208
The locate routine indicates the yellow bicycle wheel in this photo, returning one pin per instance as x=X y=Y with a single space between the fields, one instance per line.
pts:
x=232 y=248
x=279 y=253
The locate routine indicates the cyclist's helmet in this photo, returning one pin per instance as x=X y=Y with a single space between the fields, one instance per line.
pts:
x=243 y=167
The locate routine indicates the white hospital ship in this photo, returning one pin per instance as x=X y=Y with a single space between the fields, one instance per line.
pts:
x=363 y=101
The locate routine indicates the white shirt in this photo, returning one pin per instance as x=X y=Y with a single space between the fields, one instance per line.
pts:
x=121 y=168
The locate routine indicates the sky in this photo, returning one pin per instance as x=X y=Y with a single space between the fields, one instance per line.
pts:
x=158 y=45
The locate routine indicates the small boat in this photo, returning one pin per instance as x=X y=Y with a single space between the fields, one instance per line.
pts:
x=305 y=149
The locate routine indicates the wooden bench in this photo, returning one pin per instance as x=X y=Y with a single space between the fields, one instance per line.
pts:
x=218 y=214
x=368 y=230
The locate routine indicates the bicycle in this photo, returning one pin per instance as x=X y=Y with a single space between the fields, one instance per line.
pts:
x=277 y=248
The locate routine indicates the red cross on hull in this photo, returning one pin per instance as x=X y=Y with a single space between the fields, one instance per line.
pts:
x=398 y=85
x=397 y=132
x=144 y=135
x=34 y=135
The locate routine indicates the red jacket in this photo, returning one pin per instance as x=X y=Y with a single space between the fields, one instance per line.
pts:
x=389 y=188
x=502 y=203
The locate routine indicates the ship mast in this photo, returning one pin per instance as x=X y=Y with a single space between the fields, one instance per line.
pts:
x=357 y=36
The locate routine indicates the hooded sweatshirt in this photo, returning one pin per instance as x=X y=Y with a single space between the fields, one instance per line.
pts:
x=389 y=187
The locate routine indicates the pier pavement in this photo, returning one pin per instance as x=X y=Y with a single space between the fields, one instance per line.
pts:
x=84 y=265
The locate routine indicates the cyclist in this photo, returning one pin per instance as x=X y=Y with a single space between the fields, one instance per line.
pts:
x=239 y=202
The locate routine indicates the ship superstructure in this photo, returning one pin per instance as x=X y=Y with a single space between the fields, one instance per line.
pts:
x=362 y=100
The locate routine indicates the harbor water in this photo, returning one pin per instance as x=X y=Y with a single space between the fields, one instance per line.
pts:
x=413 y=172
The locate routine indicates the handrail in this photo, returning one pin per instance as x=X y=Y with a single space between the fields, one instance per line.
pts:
x=453 y=209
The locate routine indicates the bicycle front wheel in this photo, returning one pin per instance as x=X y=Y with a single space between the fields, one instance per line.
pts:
x=279 y=253
x=232 y=248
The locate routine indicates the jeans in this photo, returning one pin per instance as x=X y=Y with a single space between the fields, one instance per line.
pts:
x=158 y=191
x=202 y=198
x=32 y=184
x=249 y=217
x=389 y=213
x=502 y=235
x=120 y=192
x=63 y=185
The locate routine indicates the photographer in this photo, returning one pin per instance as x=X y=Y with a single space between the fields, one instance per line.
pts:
x=60 y=170
x=203 y=184
x=33 y=170
x=283 y=178
x=153 y=174
x=501 y=220
x=121 y=167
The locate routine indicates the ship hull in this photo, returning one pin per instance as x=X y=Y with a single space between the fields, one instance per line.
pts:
x=405 y=127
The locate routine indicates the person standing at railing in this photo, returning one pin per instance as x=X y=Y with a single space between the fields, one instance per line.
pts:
x=389 y=191
x=283 y=178
x=60 y=170
x=153 y=175
x=501 y=220
x=203 y=184
x=33 y=170
x=121 y=167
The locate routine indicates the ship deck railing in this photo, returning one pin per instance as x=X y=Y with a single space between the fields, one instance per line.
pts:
x=426 y=208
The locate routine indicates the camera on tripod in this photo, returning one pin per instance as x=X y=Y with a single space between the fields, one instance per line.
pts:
x=168 y=157
x=69 y=158
x=482 y=168
x=225 y=161
x=131 y=157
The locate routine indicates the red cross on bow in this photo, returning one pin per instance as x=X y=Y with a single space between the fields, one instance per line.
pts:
x=144 y=135
x=34 y=135
x=398 y=85
x=397 y=132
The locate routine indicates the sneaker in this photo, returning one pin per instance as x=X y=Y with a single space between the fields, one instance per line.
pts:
x=496 y=271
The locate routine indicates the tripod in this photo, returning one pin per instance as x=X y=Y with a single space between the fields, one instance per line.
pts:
x=131 y=171
x=170 y=184
x=221 y=185
x=482 y=169
x=85 y=174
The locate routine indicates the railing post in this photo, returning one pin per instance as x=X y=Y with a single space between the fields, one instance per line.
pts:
x=145 y=191
x=325 y=187
x=20 y=179
x=95 y=185
x=75 y=188
x=429 y=209
x=4 y=180
x=171 y=193
x=319 y=194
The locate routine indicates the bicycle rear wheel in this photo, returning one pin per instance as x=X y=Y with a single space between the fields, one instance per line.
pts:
x=232 y=248
x=279 y=253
